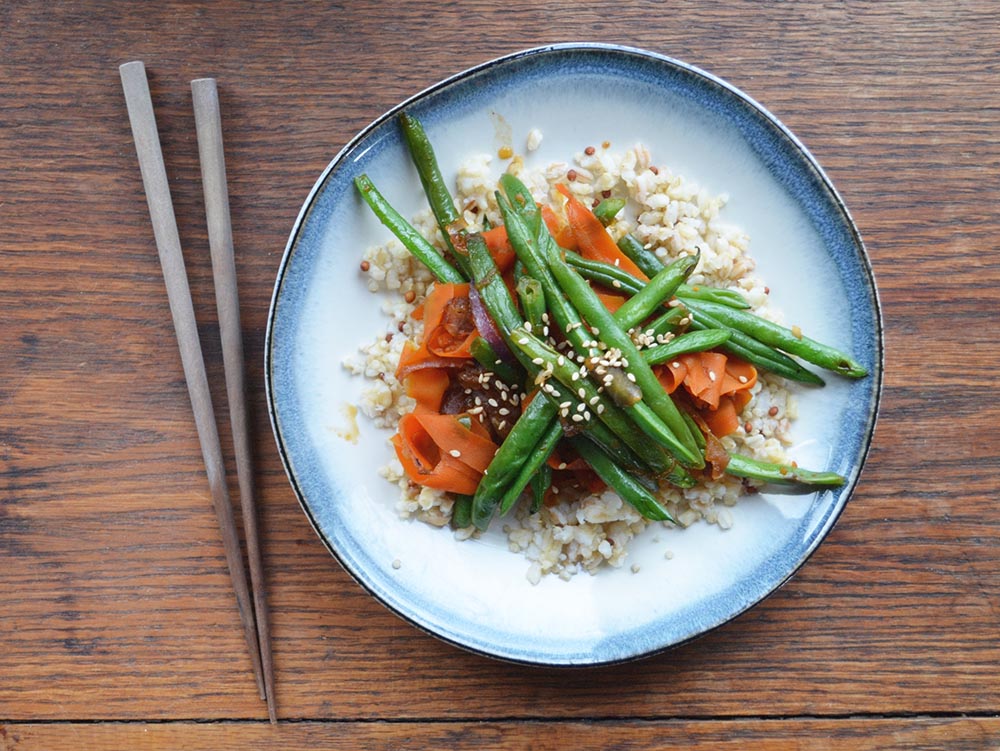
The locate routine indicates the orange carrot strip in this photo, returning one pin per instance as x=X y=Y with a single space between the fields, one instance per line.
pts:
x=452 y=437
x=724 y=419
x=500 y=248
x=671 y=375
x=560 y=230
x=704 y=376
x=426 y=445
x=427 y=386
x=611 y=302
x=593 y=239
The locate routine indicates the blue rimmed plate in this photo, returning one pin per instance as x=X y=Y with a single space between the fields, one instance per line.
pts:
x=475 y=594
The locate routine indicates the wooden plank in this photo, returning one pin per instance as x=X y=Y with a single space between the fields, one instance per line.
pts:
x=926 y=734
x=117 y=602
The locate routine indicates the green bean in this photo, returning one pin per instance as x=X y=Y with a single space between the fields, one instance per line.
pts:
x=785 y=339
x=486 y=356
x=729 y=298
x=522 y=441
x=542 y=434
x=626 y=486
x=781 y=474
x=404 y=231
x=435 y=188
x=608 y=209
x=647 y=261
x=754 y=352
x=526 y=246
x=660 y=288
x=521 y=201
x=666 y=323
x=609 y=275
x=604 y=324
x=461 y=512
x=650 y=265
x=539 y=484
x=693 y=341
x=590 y=402
x=532 y=298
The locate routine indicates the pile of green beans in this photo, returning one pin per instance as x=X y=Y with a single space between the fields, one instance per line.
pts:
x=597 y=388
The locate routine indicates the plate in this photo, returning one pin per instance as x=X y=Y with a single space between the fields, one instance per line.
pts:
x=475 y=594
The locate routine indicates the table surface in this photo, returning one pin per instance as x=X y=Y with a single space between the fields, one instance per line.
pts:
x=118 y=626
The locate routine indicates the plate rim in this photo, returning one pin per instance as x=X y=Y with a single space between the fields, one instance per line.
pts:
x=772 y=121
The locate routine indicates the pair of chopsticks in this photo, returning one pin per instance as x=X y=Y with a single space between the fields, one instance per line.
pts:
x=208 y=122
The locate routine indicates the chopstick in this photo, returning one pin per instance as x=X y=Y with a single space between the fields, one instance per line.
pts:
x=168 y=245
x=208 y=122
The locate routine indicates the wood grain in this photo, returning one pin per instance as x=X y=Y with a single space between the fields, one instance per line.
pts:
x=117 y=605
x=927 y=734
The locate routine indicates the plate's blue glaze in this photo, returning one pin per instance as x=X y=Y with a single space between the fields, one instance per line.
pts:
x=475 y=594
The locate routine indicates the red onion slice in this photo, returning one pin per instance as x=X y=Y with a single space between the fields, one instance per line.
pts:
x=487 y=329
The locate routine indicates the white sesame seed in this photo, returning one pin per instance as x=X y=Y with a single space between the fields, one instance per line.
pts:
x=630 y=376
x=455 y=452
x=478 y=401
x=581 y=407
x=582 y=392
x=539 y=361
x=527 y=326
x=504 y=411
x=600 y=409
x=675 y=364
x=618 y=262
x=575 y=377
x=560 y=361
x=743 y=379
x=616 y=284
x=468 y=391
x=594 y=400
x=577 y=418
x=493 y=402
x=711 y=375
x=596 y=331
x=502 y=425
x=522 y=341
x=545 y=330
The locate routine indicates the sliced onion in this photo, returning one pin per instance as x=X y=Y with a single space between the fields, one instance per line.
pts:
x=487 y=329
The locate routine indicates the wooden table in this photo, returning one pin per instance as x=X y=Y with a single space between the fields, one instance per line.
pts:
x=117 y=624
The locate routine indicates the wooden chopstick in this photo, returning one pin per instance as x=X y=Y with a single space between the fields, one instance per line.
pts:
x=208 y=121
x=161 y=213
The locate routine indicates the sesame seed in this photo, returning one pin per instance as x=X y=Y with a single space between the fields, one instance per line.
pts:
x=581 y=407
x=527 y=326
x=711 y=375
x=594 y=400
x=545 y=330
x=743 y=379
x=577 y=418
x=497 y=362
x=596 y=331
x=478 y=402
x=555 y=490
x=560 y=361
x=600 y=408
x=631 y=377
x=522 y=341
x=539 y=361
x=502 y=425
x=675 y=364
x=504 y=411
x=468 y=391
x=616 y=284
x=493 y=402
x=575 y=377
x=582 y=392
x=455 y=452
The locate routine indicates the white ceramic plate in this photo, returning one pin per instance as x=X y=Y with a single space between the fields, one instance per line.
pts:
x=475 y=594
